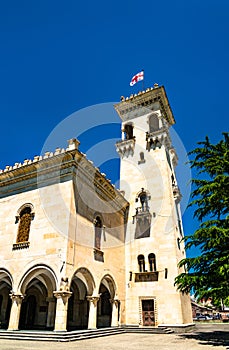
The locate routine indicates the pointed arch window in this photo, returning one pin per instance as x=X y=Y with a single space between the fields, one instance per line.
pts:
x=141 y=263
x=152 y=262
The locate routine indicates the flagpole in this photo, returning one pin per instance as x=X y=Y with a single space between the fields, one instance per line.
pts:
x=143 y=79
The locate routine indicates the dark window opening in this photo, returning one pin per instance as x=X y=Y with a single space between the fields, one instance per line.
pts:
x=98 y=232
x=141 y=263
x=178 y=243
x=128 y=130
x=152 y=262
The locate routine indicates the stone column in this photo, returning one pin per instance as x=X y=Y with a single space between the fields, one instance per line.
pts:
x=92 y=318
x=61 y=310
x=51 y=312
x=15 y=311
x=115 y=307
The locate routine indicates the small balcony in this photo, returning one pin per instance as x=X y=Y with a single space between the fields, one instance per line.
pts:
x=125 y=147
x=151 y=276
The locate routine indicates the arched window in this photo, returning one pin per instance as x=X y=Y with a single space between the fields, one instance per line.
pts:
x=98 y=232
x=152 y=262
x=153 y=123
x=178 y=243
x=141 y=263
x=128 y=130
x=143 y=196
x=25 y=217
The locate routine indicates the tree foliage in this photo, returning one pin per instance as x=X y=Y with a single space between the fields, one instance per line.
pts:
x=208 y=273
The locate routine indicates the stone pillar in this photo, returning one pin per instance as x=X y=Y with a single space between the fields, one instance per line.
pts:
x=15 y=311
x=61 y=310
x=114 y=317
x=51 y=312
x=92 y=318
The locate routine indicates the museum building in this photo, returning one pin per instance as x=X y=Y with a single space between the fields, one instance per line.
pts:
x=77 y=253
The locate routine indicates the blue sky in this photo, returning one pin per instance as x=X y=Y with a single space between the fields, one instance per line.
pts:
x=58 y=57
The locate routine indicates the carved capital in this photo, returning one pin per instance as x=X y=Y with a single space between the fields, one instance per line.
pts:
x=17 y=297
x=93 y=299
x=115 y=301
x=64 y=295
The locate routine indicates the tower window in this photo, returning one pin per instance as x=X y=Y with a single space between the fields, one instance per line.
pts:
x=142 y=159
x=178 y=243
x=153 y=123
x=128 y=130
x=143 y=197
x=141 y=263
x=152 y=262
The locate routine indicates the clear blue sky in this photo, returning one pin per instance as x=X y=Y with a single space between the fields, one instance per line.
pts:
x=60 y=56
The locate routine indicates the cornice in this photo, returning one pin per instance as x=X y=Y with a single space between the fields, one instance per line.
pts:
x=146 y=99
x=62 y=165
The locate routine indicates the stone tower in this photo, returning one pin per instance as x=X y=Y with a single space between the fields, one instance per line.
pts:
x=154 y=230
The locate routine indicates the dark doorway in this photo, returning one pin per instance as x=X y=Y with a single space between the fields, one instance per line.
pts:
x=104 y=308
x=5 y=307
x=148 y=318
x=78 y=306
x=34 y=308
x=28 y=309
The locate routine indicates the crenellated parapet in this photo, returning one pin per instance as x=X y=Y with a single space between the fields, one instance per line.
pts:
x=143 y=102
x=54 y=167
x=72 y=145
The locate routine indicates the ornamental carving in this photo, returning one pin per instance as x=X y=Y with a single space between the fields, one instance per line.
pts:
x=25 y=219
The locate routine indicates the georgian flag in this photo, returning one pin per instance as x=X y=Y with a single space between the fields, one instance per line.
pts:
x=138 y=77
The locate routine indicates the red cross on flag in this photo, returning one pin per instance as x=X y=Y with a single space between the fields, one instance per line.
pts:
x=138 y=77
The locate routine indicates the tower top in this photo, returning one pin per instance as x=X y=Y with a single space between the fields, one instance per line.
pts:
x=145 y=101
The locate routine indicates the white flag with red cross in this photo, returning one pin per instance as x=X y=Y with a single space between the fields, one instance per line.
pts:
x=136 y=78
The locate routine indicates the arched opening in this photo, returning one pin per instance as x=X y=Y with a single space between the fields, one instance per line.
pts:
x=143 y=200
x=152 y=262
x=141 y=263
x=5 y=300
x=107 y=291
x=128 y=130
x=25 y=216
x=39 y=305
x=104 y=309
x=34 y=309
x=98 y=232
x=153 y=123
x=82 y=285
x=78 y=308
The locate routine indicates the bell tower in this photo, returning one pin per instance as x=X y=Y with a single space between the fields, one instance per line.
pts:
x=154 y=231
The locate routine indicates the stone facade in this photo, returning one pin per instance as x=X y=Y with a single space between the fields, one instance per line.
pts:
x=75 y=253
x=154 y=230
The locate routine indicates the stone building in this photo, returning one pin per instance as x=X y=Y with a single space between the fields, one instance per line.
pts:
x=75 y=252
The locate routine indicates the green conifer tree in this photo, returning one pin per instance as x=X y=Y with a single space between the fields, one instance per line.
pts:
x=208 y=273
